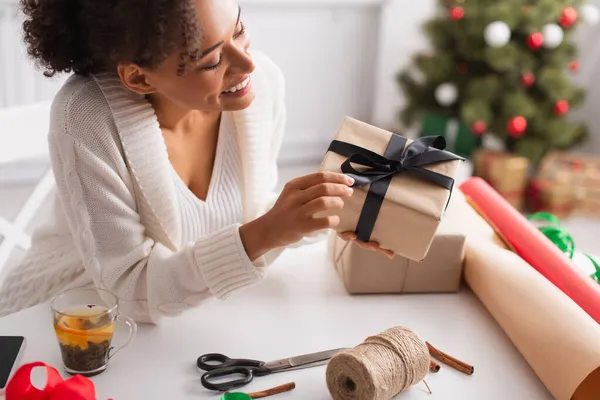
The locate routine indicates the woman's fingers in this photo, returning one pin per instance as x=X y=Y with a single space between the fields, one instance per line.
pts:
x=373 y=246
x=322 y=204
x=307 y=181
x=389 y=254
x=327 y=189
x=329 y=222
x=367 y=245
x=347 y=235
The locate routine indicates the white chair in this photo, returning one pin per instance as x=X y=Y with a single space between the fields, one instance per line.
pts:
x=23 y=138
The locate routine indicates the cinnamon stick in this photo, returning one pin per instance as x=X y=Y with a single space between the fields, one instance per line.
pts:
x=433 y=366
x=270 y=392
x=450 y=361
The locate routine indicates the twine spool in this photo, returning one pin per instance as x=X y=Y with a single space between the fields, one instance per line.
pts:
x=379 y=368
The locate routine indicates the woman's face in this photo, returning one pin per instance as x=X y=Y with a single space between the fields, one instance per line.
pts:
x=220 y=79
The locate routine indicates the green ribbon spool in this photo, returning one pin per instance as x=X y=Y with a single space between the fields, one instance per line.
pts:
x=561 y=238
x=235 y=396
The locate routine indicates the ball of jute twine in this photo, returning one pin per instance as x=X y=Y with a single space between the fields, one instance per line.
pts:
x=379 y=368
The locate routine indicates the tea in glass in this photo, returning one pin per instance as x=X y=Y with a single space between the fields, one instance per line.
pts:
x=84 y=323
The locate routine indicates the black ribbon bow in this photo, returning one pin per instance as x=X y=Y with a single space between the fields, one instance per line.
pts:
x=380 y=170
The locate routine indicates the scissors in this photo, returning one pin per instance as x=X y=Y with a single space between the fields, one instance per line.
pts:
x=220 y=366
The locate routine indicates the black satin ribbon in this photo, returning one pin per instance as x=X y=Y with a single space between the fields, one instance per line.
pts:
x=380 y=170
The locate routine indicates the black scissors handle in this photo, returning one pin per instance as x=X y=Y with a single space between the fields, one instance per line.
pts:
x=247 y=374
x=212 y=361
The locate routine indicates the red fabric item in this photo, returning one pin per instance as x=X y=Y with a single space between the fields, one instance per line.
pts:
x=531 y=245
x=75 y=388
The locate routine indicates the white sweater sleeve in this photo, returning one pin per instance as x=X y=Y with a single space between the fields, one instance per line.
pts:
x=150 y=279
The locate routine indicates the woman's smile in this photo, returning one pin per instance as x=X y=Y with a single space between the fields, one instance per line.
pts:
x=239 y=90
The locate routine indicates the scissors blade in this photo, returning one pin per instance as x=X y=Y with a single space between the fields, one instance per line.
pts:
x=303 y=361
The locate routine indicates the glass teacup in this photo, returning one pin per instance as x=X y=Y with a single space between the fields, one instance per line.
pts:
x=84 y=323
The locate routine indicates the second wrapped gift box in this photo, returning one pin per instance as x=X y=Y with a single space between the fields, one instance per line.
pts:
x=364 y=271
x=402 y=186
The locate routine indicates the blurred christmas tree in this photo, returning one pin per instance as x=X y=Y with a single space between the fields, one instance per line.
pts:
x=502 y=67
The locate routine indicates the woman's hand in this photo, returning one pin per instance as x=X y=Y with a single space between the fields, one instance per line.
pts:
x=294 y=214
x=351 y=236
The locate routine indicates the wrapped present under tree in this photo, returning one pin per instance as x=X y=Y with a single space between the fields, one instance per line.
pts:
x=567 y=183
x=568 y=167
x=459 y=138
x=507 y=173
x=550 y=196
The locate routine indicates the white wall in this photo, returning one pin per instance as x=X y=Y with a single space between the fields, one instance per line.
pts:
x=327 y=54
x=589 y=57
x=400 y=38
x=20 y=82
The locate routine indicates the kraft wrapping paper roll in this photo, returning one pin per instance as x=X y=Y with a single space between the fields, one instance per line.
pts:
x=537 y=250
x=559 y=340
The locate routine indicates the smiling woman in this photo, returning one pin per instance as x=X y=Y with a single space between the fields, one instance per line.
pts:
x=212 y=65
x=163 y=144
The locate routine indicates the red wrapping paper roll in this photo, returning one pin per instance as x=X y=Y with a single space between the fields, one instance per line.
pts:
x=531 y=245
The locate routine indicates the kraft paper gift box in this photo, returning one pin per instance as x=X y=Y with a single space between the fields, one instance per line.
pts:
x=588 y=201
x=575 y=173
x=402 y=186
x=551 y=196
x=573 y=168
x=507 y=173
x=368 y=272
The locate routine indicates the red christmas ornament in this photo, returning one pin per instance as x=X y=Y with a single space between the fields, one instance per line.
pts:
x=528 y=79
x=561 y=107
x=574 y=65
x=457 y=13
x=479 y=128
x=516 y=126
x=535 y=40
x=568 y=17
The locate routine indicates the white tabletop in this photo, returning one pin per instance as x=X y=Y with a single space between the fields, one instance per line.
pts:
x=301 y=307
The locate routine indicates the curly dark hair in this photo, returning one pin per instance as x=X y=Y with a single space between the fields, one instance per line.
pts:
x=92 y=36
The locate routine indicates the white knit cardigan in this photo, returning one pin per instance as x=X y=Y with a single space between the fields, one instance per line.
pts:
x=117 y=224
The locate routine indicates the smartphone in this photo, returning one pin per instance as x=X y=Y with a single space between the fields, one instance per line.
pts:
x=11 y=350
